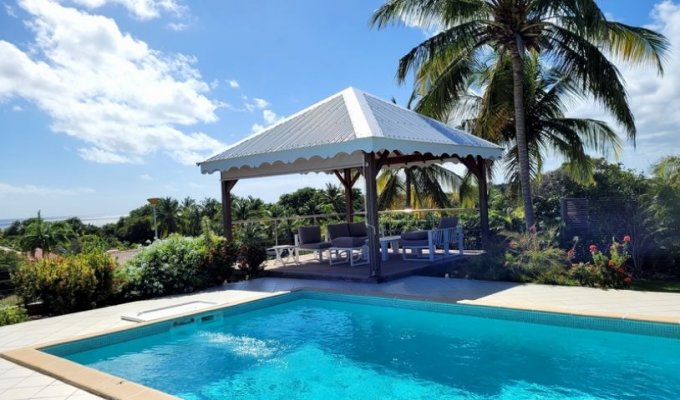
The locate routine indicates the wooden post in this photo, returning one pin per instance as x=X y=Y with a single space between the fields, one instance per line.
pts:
x=483 y=201
x=370 y=175
x=226 y=209
x=347 y=183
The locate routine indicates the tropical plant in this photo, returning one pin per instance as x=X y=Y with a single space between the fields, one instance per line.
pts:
x=66 y=284
x=419 y=187
x=333 y=197
x=191 y=215
x=663 y=208
x=177 y=265
x=573 y=34
x=168 y=215
x=12 y=315
x=546 y=92
x=47 y=236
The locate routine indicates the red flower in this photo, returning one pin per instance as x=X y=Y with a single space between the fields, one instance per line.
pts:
x=593 y=248
x=627 y=280
x=626 y=238
x=621 y=270
x=611 y=263
x=572 y=252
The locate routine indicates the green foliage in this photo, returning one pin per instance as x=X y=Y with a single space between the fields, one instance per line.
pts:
x=12 y=315
x=66 y=284
x=251 y=258
x=48 y=236
x=9 y=263
x=607 y=270
x=178 y=265
x=534 y=257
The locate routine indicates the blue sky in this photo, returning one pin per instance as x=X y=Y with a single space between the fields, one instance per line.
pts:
x=104 y=103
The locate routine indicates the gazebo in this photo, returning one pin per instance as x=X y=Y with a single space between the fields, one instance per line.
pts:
x=352 y=133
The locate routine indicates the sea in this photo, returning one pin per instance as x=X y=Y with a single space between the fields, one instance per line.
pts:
x=92 y=220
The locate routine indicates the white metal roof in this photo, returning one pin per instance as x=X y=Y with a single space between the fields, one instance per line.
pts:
x=334 y=134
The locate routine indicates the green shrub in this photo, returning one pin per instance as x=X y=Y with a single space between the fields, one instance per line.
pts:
x=9 y=262
x=251 y=258
x=533 y=257
x=605 y=271
x=12 y=315
x=178 y=265
x=66 y=284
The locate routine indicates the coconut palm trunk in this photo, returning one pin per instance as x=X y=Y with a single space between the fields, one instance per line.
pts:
x=520 y=130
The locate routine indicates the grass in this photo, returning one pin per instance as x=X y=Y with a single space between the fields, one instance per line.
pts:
x=656 y=286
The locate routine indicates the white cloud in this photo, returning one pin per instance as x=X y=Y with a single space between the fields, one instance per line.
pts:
x=177 y=26
x=141 y=9
x=9 y=10
x=652 y=98
x=270 y=117
x=145 y=177
x=17 y=108
x=429 y=29
x=256 y=128
x=233 y=83
x=260 y=103
x=108 y=89
x=7 y=189
x=254 y=104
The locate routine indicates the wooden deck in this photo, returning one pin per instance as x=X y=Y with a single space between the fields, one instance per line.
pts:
x=394 y=268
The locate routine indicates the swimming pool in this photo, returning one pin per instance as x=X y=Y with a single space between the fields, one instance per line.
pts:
x=315 y=345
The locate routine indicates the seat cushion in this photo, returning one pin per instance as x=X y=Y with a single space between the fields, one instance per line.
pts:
x=315 y=246
x=414 y=235
x=348 y=242
x=415 y=243
x=338 y=230
x=448 y=222
x=309 y=234
x=357 y=229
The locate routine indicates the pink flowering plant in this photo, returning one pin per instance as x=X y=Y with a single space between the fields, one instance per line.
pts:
x=612 y=266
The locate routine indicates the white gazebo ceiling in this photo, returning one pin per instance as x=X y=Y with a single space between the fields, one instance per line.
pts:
x=336 y=132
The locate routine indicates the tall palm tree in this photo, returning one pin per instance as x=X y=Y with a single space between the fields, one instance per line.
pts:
x=191 y=214
x=333 y=197
x=573 y=34
x=44 y=235
x=168 y=215
x=664 y=203
x=546 y=91
x=419 y=187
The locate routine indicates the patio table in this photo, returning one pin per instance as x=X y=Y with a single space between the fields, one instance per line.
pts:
x=393 y=242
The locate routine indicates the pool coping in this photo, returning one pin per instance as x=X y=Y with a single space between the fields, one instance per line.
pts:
x=112 y=387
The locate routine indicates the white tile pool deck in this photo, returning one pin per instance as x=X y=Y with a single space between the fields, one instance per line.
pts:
x=17 y=382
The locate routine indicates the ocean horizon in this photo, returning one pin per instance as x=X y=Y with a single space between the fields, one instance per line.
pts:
x=91 y=220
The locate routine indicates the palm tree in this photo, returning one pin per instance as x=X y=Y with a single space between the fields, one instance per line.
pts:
x=545 y=92
x=664 y=203
x=573 y=34
x=191 y=214
x=245 y=208
x=212 y=209
x=168 y=215
x=420 y=187
x=44 y=235
x=333 y=197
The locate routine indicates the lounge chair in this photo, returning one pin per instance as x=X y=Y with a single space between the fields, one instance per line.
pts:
x=348 y=243
x=447 y=232
x=309 y=238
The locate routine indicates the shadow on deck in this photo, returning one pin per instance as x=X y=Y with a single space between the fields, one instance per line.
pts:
x=394 y=268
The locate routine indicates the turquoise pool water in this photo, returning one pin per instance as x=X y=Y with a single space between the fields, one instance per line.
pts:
x=322 y=346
